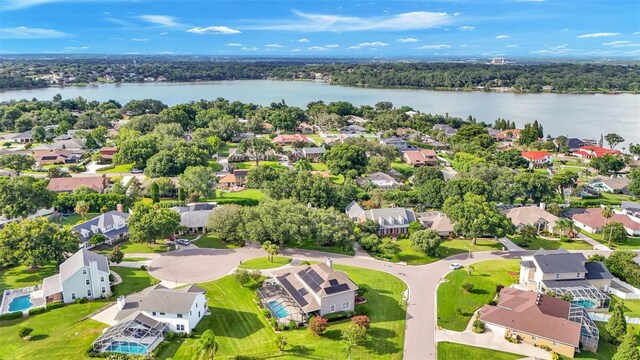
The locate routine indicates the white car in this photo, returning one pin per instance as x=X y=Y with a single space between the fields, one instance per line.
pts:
x=183 y=242
x=455 y=266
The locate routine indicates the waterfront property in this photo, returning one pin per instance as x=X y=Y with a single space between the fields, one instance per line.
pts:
x=392 y=221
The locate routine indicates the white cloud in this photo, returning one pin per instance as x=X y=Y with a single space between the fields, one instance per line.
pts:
x=213 y=30
x=233 y=44
x=373 y=44
x=463 y=45
x=467 y=28
x=407 y=40
x=308 y=22
x=23 y=32
x=332 y=46
x=554 y=50
x=166 y=53
x=296 y=50
x=163 y=33
x=512 y=46
x=273 y=46
x=437 y=47
x=600 y=34
x=502 y=36
x=249 y=48
x=140 y=39
x=619 y=44
x=457 y=13
x=303 y=40
x=164 y=20
x=76 y=48
x=324 y=48
x=354 y=47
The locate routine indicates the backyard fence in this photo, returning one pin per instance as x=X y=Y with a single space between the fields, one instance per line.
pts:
x=600 y=317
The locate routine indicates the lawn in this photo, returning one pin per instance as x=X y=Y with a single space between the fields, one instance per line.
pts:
x=22 y=276
x=264 y=263
x=135 y=259
x=452 y=351
x=310 y=245
x=77 y=219
x=215 y=166
x=632 y=243
x=319 y=167
x=214 y=242
x=241 y=329
x=448 y=248
x=133 y=280
x=129 y=247
x=251 y=164
x=456 y=306
x=551 y=244
x=605 y=349
x=403 y=168
x=123 y=168
x=631 y=307
x=254 y=194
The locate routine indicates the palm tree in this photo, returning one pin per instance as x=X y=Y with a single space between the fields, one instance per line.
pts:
x=207 y=345
x=607 y=213
x=564 y=226
x=529 y=233
x=271 y=249
x=82 y=208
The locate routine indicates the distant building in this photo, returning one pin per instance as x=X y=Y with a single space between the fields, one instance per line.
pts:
x=590 y=151
x=498 y=61
x=592 y=221
x=537 y=158
x=618 y=184
x=420 y=157
x=532 y=215
x=392 y=221
x=108 y=153
x=70 y=144
x=379 y=180
x=236 y=179
x=283 y=140
x=313 y=153
x=438 y=221
x=67 y=185
x=509 y=135
x=49 y=157
x=195 y=216
x=397 y=142
x=114 y=225
x=448 y=130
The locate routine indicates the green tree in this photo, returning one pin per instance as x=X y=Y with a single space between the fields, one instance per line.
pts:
x=529 y=233
x=36 y=242
x=353 y=335
x=345 y=159
x=21 y=196
x=607 y=164
x=82 y=208
x=303 y=165
x=38 y=134
x=617 y=325
x=242 y=276
x=227 y=222
x=607 y=213
x=271 y=249
x=281 y=343
x=475 y=217
x=154 y=192
x=116 y=255
x=256 y=148
x=613 y=140
x=426 y=241
x=378 y=163
x=199 y=179
x=534 y=186
x=148 y=224
x=207 y=345
x=634 y=186
x=413 y=227
x=615 y=232
x=318 y=325
x=564 y=226
x=628 y=350
x=16 y=163
x=528 y=135
x=425 y=174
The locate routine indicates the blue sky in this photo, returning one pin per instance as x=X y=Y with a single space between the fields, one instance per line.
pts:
x=395 y=28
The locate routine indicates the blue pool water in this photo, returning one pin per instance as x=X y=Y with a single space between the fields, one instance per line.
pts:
x=278 y=309
x=20 y=303
x=127 y=348
x=585 y=303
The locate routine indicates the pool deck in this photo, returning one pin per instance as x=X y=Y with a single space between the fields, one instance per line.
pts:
x=36 y=298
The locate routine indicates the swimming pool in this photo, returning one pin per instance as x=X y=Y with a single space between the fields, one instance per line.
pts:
x=127 y=348
x=20 y=303
x=585 y=303
x=278 y=309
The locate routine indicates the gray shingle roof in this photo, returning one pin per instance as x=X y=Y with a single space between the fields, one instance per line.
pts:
x=160 y=299
x=81 y=258
x=560 y=262
x=109 y=219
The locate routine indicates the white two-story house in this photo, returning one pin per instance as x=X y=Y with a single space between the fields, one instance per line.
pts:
x=392 y=221
x=112 y=224
x=84 y=275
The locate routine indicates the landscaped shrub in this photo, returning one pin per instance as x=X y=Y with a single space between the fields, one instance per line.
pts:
x=55 y=305
x=478 y=327
x=318 y=325
x=170 y=336
x=340 y=315
x=511 y=339
x=246 y=357
x=468 y=286
x=362 y=320
x=362 y=310
x=545 y=347
x=112 y=278
x=292 y=324
x=266 y=313
x=37 y=311
x=493 y=302
x=11 y=316
x=237 y=201
x=81 y=300
x=555 y=356
x=24 y=332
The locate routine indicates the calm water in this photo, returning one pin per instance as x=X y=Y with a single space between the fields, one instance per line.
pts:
x=583 y=116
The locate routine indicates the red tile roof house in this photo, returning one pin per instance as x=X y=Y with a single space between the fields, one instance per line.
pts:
x=67 y=185
x=107 y=153
x=537 y=319
x=590 y=151
x=420 y=157
x=537 y=158
x=290 y=139
x=592 y=221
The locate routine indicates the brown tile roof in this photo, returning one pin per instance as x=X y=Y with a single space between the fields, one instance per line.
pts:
x=281 y=139
x=420 y=156
x=97 y=183
x=535 y=314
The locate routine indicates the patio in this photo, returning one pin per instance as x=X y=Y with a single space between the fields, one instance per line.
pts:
x=34 y=294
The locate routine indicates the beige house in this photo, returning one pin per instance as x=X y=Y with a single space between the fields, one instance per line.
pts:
x=438 y=221
x=532 y=215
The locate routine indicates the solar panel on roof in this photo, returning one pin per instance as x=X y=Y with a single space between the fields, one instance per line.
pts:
x=309 y=281
x=303 y=291
x=314 y=275
x=333 y=282
x=336 y=289
x=292 y=291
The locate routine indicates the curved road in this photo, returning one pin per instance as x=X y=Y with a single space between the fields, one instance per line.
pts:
x=202 y=265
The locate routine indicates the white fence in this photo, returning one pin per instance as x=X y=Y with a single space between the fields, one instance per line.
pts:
x=605 y=318
x=631 y=293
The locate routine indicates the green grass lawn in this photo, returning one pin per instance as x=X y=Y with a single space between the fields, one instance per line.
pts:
x=319 y=167
x=23 y=276
x=241 y=329
x=605 y=349
x=129 y=247
x=252 y=164
x=77 y=219
x=310 y=245
x=264 y=263
x=452 y=351
x=135 y=259
x=485 y=277
x=133 y=280
x=403 y=168
x=551 y=244
x=448 y=248
x=631 y=307
x=123 y=168
x=632 y=243
x=214 y=242
x=255 y=194
x=215 y=166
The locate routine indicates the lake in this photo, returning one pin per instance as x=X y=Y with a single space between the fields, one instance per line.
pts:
x=580 y=115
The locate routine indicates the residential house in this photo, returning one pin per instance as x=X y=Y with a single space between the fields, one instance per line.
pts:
x=591 y=151
x=397 y=142
x=49 y=157
x=561 y=272
x=67 y=185
x=509 y=135
x=235 y=155
x=446 y=129
x=21 y=138
x=537 y=158
x=429 y=140
x=532 y=215
x=493 y=132
x=306 y=128
x=379 y=180
x=420 y=157
x=353 y=129
x=284 y=140
x=313 y=153
x=309 y=289
x=631 y=208
x=618 y=185
x=574 y=144
x=84 y=275
x=592 y=221
x=70 y=144
x=392 y=221
x=243 y=136
x=108 y=153
x=144 y=318
x=114 y=225
x=438 y=221
x=236 y=179
x=194 y=216
x=540 y=320
x=352 y=119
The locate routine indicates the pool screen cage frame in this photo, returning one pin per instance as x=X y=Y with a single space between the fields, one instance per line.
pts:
x=132 y=331
x=276 y=291
x=583 y=293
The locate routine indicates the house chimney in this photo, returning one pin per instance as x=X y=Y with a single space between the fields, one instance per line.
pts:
x=543 y=205
x=329 y=263
x=119 y=208
x=120 y=302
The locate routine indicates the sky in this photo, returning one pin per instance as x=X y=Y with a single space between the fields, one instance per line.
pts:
x=393 y=28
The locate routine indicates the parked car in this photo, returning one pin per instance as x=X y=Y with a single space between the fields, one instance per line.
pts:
x=183 y=242
x=136 y=171
x=455 y=266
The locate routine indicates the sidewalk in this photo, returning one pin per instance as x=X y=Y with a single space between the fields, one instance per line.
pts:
x=596 y=245
x=510 y=245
